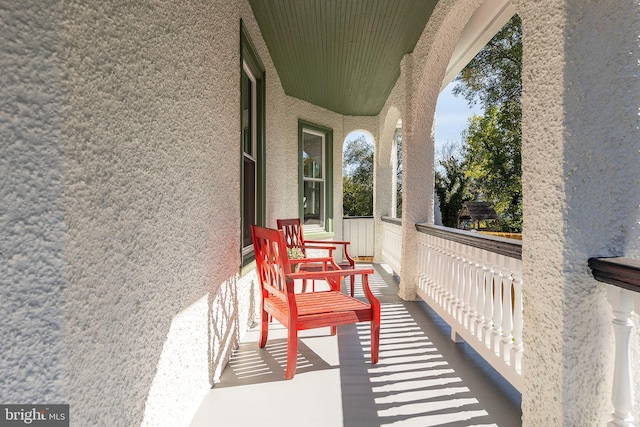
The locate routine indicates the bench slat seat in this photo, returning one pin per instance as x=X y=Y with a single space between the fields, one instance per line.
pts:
x=328 y=308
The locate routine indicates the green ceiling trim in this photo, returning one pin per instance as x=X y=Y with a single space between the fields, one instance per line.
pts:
x=343 y=55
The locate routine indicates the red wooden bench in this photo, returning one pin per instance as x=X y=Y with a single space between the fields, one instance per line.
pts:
x=294 y=237
x=300 y=311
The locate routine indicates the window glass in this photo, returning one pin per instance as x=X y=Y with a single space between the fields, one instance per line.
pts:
x=315 y=147
x=312 y=155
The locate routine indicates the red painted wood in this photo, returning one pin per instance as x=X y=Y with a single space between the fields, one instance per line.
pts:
x=309 y=310
x=294 y=237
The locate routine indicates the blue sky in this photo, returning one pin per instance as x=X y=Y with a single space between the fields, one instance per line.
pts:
x=452 y=113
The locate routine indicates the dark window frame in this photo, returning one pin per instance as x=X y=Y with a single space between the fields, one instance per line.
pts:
x=249 y=56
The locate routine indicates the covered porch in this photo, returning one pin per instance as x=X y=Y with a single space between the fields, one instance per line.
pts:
x=140 y=140
x=423 y=378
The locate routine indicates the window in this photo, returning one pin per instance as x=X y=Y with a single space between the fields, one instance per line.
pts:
x=252 y=107
x=316 y=169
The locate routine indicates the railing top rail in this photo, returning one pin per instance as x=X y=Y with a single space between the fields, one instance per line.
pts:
x=618 y=271
x=392 y=220
x=500 y=245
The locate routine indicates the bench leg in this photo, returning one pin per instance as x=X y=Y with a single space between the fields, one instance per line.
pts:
x=375 y=340
x=292 y=353
x=264 y=329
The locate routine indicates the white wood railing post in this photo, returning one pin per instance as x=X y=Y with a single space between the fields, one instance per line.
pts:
x=475 y=292
x=516 y=349
x=488 y=302
x=483 y=273
x=507 y=315
x=622 y=396
x=469 y=296
x=496 y=333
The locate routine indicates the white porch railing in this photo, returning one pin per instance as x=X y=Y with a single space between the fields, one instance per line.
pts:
x=623 y=274
x=392 y=243
x=359 y=230
x=475 y=284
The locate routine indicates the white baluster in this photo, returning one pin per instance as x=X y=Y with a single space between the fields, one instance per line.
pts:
x=464 y=284
x=447 y=274
x=483 y=272
x=457 y=281
x=430 y=268
x=506 y=341
x=517 y=348
x=473 y=291
x=496 y=332
x=437 y=272
x=469 y=289
x=488 y=303
x=622 y=396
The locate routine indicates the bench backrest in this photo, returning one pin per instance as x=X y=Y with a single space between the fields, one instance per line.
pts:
x=272 y=261
x=293 y=235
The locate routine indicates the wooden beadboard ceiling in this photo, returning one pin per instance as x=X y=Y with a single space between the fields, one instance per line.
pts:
x=343 y=55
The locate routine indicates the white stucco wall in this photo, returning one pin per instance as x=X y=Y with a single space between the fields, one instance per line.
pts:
x=580 y=157
x=121 y=224
x=152 y=295
x=32 y=359
x=120 y=246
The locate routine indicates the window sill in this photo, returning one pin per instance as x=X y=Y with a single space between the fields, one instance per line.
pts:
x=317 y=235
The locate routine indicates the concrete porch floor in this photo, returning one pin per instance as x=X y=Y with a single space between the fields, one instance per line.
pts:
x=422 y=379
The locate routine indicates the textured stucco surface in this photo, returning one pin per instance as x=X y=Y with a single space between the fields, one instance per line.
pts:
x=119 y=222
x=580 y=157
x=149 y=120
x=32 y=359
x=121 y=215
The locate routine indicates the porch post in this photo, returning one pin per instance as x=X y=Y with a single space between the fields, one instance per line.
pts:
x=581 y=188
x=417 y=173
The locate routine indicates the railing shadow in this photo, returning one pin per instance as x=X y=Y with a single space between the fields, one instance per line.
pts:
x=414 y=384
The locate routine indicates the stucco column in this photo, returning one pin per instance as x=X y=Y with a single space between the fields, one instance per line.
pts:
x=417 y=175
x=581 y=186
x=383 y=176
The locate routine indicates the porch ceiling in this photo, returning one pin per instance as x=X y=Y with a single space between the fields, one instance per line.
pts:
x=341 y=55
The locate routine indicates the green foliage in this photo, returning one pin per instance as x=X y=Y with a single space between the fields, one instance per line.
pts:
x=493 y=75
x=357 y=178
x=452 y=188
x=492 y=151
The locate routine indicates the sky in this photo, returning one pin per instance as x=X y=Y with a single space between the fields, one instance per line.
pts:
x=452 y=113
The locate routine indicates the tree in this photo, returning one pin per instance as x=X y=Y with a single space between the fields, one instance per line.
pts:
x=493 y=141
x=452 y=185
x=357 y=178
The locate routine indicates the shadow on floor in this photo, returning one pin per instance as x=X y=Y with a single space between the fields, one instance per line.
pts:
x=422 y=379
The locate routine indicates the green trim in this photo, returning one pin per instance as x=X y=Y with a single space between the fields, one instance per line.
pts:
x=247 y=267
x=248 y=55
x=317 y=235
x=328 y=172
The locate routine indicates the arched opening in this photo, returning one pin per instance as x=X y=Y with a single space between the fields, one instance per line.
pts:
x=357 y=174
x=358 y=194
x=478 y=138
